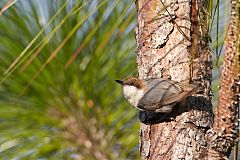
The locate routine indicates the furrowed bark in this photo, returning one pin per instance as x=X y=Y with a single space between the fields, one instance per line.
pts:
x=223 y=134
x=171 y=43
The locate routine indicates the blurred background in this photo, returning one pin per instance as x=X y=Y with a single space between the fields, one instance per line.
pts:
x=59 y=60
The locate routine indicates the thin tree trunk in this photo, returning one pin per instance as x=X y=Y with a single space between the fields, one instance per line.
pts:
x=223 y=134
x=172 y=43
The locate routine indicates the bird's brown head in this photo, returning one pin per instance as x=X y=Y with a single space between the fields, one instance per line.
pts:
x=132 y=81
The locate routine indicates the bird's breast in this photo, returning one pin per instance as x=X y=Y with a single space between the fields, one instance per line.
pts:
x=133 y=94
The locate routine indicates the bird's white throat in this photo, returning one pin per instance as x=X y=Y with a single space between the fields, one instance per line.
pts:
x=132 y=94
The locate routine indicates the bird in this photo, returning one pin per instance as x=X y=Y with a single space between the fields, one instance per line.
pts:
x=156 y=94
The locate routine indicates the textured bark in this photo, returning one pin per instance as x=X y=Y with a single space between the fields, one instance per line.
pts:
x=171 y=43
x=223 y=134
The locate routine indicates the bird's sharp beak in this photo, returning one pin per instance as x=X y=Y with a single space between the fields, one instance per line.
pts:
x=119 y=81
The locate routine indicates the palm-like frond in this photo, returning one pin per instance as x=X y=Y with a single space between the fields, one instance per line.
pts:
x=218 y=22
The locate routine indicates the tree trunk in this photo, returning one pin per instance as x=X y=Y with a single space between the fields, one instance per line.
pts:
x=222 y=136
x=171 y=40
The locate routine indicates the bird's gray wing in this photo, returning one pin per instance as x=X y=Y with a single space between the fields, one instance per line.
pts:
x=160 y=92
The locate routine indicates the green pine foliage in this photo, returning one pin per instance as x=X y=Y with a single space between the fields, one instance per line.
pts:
x=58 y=97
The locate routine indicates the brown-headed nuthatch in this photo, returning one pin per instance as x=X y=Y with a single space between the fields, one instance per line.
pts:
x=157 y=95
